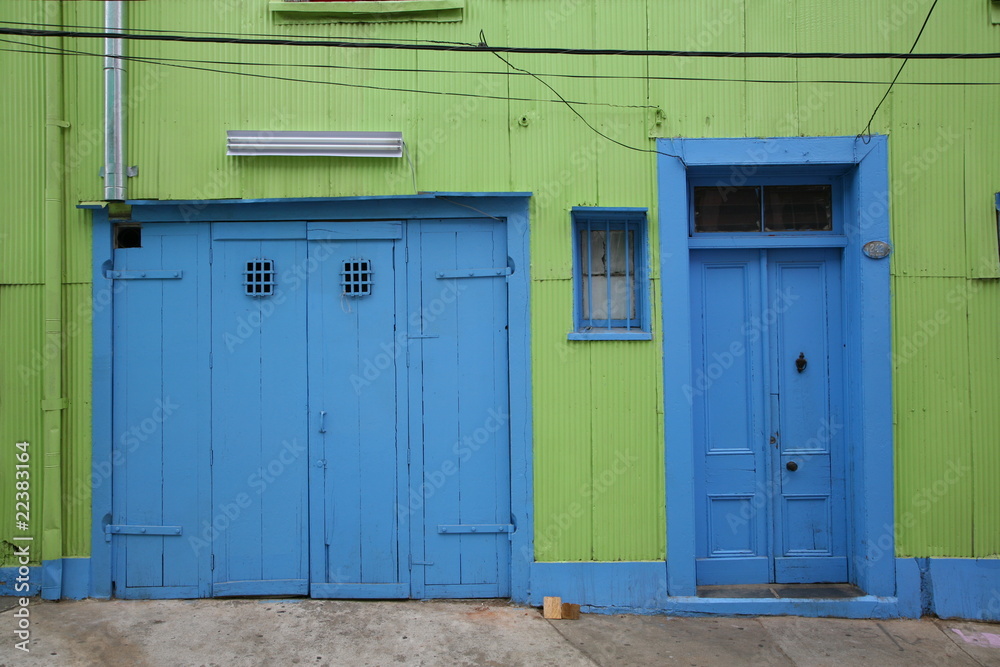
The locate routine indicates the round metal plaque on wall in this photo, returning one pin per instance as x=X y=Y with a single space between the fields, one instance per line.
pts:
x=877 y=249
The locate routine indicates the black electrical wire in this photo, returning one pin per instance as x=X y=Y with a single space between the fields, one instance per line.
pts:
x=866 y=134
x=139 y=31
x=481 y=48
x=155 y=61
x=482 y=39
x=615 y=77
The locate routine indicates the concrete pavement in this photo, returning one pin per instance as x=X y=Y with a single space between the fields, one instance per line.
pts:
x=469 y=632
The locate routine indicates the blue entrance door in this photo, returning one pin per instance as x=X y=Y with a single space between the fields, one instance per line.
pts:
x=408 y=396
x=258 y=528
x=766 y=399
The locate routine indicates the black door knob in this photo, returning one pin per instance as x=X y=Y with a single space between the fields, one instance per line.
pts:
x=792 y=466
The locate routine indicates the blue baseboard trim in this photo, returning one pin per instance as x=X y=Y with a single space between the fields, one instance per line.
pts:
x=52 y=576
x=76 y=578
x=65 y=578
x=909 y=588
x=966 y=588
x=633 y=585
x=10 y=586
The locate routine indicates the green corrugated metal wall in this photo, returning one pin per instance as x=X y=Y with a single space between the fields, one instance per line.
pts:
x=598 y=438
x=22 y=353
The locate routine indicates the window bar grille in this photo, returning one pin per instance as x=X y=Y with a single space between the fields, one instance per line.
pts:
x=760 y=197
x=259 y=278
x=628 y=291
x=607 y=267
x=590 y=276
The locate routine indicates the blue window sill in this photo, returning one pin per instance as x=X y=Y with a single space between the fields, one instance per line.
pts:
x=368 y=11
x=610 y=334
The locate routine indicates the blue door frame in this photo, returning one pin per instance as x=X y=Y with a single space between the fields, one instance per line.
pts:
x=509 y=208
x=863 y=167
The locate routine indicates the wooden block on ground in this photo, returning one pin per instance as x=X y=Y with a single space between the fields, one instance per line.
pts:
x=570 y=611
x=552 y=607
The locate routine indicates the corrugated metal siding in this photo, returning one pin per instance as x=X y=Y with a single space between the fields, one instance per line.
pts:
x=22 y=135
x=77 y=480
x=22 y=357
x=563 y=442
x=592 y=400
x=984 y=369
x=933 y=437
x=22 y=265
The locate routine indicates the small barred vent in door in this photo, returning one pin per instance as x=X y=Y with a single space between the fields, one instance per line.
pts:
x=357 y=277
x=259 y=277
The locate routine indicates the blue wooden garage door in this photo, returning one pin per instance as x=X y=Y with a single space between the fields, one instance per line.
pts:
x=342 y=428
x=259 y=432
x=408 y=382
x=766 y=399
x=161 y=473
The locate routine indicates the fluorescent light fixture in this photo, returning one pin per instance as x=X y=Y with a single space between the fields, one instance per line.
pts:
x=343 y=144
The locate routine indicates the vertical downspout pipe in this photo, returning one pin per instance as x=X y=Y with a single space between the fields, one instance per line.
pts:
x=114 y=94
x=53 y=402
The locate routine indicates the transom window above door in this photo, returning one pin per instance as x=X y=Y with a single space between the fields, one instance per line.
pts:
x=726 y=208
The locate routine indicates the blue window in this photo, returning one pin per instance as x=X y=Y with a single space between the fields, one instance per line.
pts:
x=610 y=280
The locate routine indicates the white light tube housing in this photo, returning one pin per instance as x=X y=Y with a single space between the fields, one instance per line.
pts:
x=334 y=144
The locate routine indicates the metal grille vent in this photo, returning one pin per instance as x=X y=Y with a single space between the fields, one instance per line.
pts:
x=357 y=277
x=259 y=277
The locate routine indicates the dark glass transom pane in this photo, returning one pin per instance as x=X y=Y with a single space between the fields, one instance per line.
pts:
x=798 y=208
x=726 y=209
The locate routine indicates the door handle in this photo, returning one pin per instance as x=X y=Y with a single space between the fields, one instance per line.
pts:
x=800 y=363
x=322 y=421
x=792 y=466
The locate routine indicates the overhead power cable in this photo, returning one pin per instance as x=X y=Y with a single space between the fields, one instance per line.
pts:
x=483 y=48
x=155 y=61
x=482 y=38
x=140 y=31
x=866 y=134
x=507 y=72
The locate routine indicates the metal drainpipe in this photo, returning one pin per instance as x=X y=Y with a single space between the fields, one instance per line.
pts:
x=53 y=401
x=114 y=92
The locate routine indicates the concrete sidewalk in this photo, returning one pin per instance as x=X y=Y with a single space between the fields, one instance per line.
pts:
x=468 y=632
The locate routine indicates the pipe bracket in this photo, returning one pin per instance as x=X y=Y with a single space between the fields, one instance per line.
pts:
x=54 y=404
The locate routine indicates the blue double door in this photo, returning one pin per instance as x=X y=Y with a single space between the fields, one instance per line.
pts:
x=343 y=388
x=766 y=397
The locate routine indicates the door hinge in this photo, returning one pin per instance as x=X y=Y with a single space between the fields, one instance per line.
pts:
x=211 y=360
x=474 y=273
x=476 y=528
x=406 y=253
x=150 y=274
x=212 y=566
x=210 y=258
x=151 y=531
x=211 y=457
